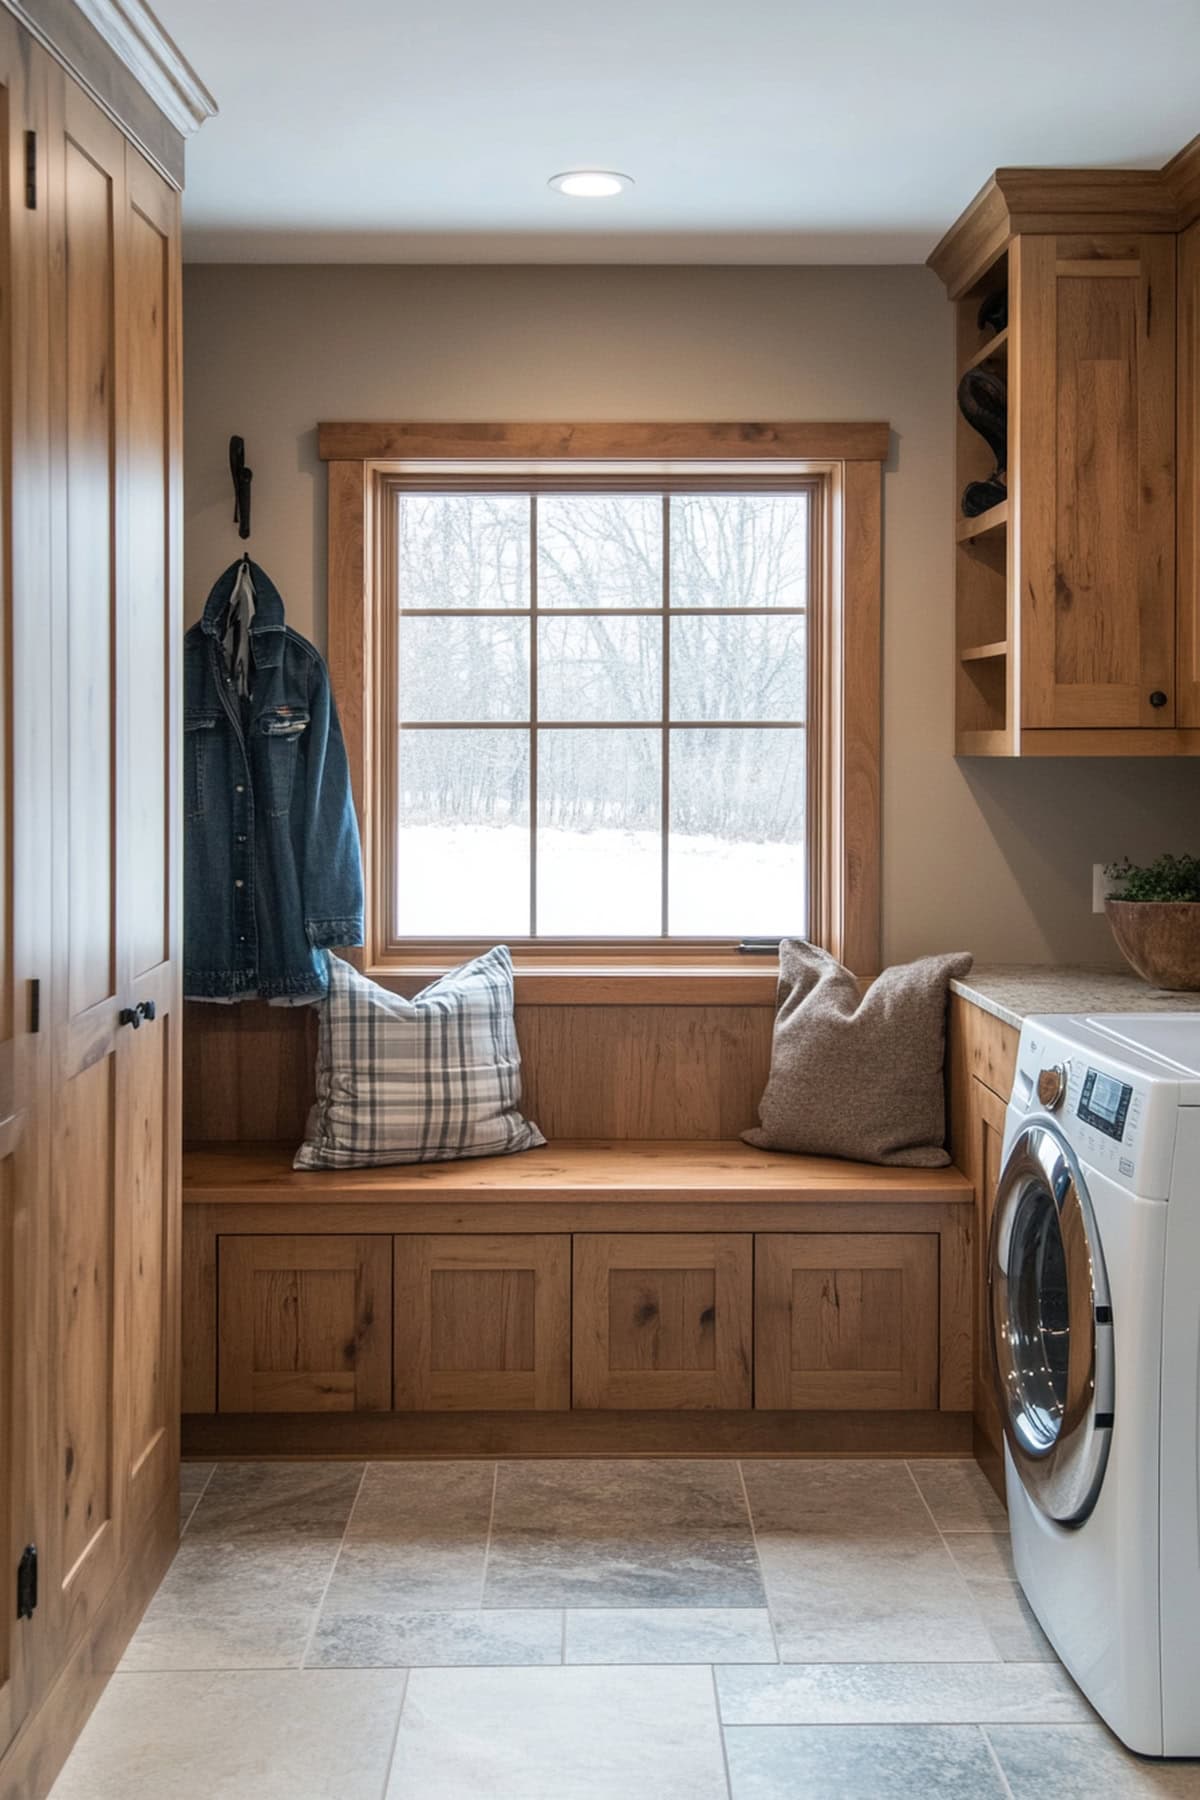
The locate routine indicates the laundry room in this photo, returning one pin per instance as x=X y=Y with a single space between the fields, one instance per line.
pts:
x=600 y=891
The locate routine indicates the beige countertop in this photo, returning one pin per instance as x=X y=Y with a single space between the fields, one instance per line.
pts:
x=1011 y=991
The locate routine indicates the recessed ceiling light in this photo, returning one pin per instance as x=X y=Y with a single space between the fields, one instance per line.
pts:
x=591 y=184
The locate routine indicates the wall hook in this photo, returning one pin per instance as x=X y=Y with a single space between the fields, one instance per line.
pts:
x=242 y=477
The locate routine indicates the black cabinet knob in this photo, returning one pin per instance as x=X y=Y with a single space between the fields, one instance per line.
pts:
x=133 y=1015
x=1158 y=698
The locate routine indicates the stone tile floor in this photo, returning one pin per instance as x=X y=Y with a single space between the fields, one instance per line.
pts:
x=592 y=1630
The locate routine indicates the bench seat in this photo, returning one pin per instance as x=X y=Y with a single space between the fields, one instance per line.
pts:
x=579 y=1171
x=585 y=1298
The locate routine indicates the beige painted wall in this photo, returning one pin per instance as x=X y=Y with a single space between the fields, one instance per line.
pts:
x=987 y=856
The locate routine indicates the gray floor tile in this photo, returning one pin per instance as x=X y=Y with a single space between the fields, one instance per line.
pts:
x=194 y=1476
x=417 y=1540
x=558 y=1734
x=435 y=1639
x=294 y=1736
x=1085 y=1762
x=641 y=1534
x=655 y=1491
x=959 y=1495
x=670 y=1634
x=1011 y=1624
x=836 y=1498
x=899 y=1694
x=985 y=1560
x=244 y=1588
x=897 y=1762
x=983 y=1556
x=573 y=1568
x=872 y=1599
x=291 y=1501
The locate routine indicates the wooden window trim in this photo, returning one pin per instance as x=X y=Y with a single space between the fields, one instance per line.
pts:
x=844 y=733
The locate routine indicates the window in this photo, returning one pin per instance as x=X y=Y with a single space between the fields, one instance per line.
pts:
x=601 y=706
x=610 y=694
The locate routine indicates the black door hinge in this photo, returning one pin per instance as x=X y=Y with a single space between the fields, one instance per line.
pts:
x=35 y=1008
x=31 y=170
x=27 y=1596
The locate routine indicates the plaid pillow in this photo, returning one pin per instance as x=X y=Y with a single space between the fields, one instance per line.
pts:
x=423 y=1080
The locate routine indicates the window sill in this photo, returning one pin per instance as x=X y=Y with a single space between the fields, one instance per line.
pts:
x=727 y=983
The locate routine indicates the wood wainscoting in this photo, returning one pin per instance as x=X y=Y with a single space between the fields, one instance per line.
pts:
x=604 y=1072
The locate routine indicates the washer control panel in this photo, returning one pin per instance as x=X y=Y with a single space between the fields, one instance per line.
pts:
x=1101 y=1112
x=1104 y=1103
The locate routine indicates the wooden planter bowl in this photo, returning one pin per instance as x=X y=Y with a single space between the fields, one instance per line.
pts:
x=1160 y=939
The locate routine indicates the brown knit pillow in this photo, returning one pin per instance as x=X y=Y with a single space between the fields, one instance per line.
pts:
x=859 y=1077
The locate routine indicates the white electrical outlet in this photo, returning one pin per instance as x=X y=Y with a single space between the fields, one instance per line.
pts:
x=1100 y=886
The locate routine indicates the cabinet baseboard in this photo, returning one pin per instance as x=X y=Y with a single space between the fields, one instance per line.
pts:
x=393 y=1436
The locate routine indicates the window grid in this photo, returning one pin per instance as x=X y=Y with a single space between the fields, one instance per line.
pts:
x=535 y=726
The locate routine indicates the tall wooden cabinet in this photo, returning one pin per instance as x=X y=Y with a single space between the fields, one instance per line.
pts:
x=1076 y=596
x=89 y=985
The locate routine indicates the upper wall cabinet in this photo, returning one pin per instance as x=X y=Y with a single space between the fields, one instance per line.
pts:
x=1078 y=308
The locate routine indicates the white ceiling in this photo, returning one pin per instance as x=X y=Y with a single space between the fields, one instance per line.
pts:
x=767 y=131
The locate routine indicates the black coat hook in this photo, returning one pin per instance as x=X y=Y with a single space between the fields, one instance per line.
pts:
x=242 y=477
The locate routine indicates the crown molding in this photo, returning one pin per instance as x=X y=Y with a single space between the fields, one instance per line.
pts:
x=131 y=30
x=1182 y=175
x=1065 y=201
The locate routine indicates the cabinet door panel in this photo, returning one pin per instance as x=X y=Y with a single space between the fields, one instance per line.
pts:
x=1093 y=419
x=987 y=1128
x=483 y=1323
x=148 y=923
x=662 y=1321
x=304 y=1324
x=846 y=1320
x=86 y=198
x=25 y=873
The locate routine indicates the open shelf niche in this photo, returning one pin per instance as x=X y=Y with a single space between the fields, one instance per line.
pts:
x=983 y=612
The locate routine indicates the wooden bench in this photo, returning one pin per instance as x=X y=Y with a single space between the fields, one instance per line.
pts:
x=587 y=1298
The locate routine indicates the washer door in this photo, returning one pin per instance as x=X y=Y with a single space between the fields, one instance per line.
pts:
x=1051 y=1326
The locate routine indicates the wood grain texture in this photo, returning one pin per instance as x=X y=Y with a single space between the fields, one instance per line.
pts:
x=369 y=441
x=661 y=1321
x=565 y=1173
x=482 y=1322
x=644 y=1072
x=856 y=830
x=304 y=1324
x=26 y=752
x=1187 y=675
x=250 y=1066
x=198 y=1303
x=91 y=491
x=1047 y=202
x=1182 y=174
x=29 y=1770
x=587 y=1071
x=846 y=1320
x=683 y=1433
x=981 y=1061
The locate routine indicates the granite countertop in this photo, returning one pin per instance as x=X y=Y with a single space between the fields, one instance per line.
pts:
x=1011 y=991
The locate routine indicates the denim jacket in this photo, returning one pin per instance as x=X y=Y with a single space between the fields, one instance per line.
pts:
x=272 y=868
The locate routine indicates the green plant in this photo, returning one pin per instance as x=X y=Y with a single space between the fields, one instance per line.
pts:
x=1168 y=878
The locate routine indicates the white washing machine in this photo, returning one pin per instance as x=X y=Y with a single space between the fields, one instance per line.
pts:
x=1094 y=1306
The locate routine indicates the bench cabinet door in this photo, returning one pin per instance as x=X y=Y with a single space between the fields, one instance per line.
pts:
x=662 y=1321
x=305 y=1324
x=483 y=1323
x=846 y=1320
